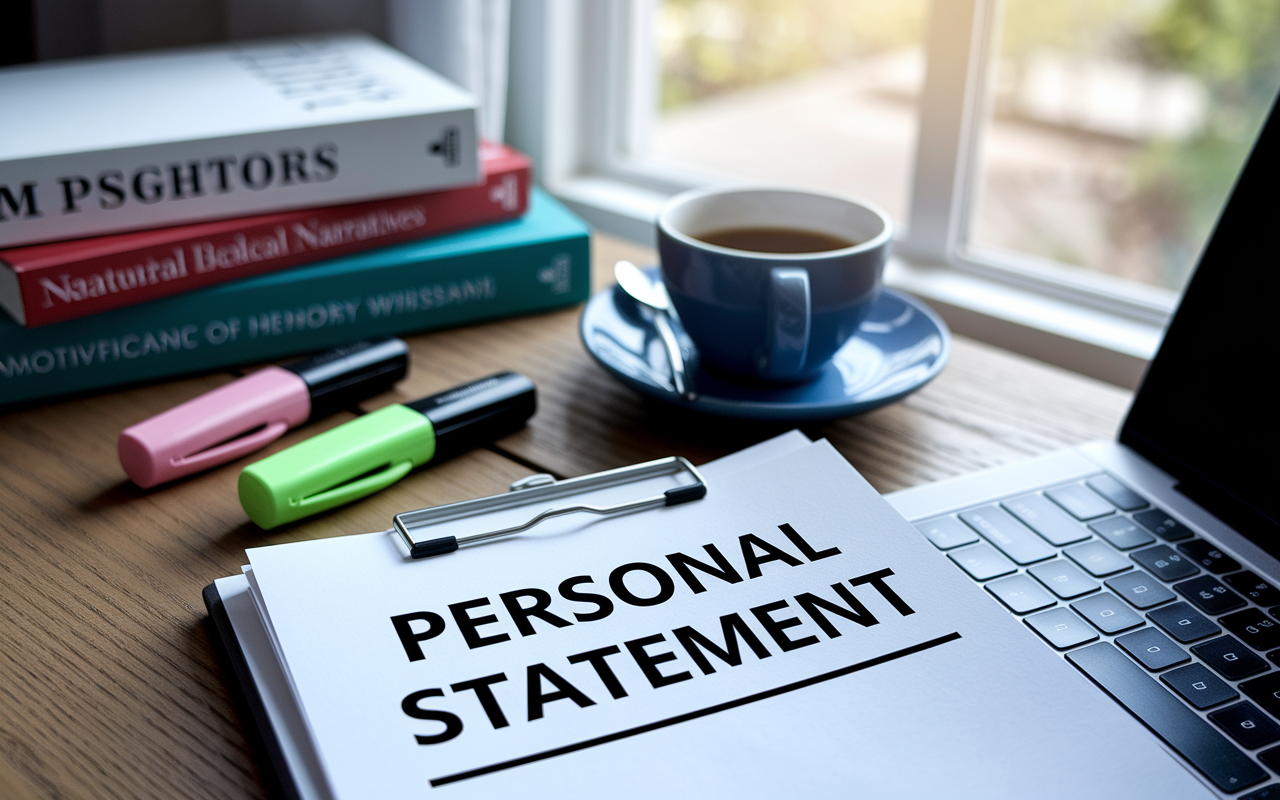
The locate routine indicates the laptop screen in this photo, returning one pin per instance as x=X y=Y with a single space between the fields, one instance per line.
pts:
x=1206 y=410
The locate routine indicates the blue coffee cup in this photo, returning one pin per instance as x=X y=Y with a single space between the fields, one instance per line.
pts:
x=772 y=316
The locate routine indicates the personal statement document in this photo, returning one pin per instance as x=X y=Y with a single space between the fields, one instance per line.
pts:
x=787 y=635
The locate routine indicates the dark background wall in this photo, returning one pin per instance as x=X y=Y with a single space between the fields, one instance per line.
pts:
x=40 y=30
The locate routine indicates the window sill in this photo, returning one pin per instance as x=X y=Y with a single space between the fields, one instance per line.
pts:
x=1099 y=343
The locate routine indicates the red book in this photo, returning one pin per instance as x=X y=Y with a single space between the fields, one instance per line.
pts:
x=52 y=282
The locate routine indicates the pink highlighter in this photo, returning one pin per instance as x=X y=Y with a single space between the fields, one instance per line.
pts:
x=250 y=413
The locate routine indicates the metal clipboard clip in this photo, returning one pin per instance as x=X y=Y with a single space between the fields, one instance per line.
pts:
x=537 y=488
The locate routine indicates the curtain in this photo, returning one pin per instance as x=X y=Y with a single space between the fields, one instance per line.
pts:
x=463 y=40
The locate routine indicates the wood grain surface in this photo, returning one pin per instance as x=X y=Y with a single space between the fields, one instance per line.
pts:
x=987 y=407
x=108 y=683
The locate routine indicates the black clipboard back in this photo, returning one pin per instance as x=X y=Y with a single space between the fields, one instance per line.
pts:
x=256 y=722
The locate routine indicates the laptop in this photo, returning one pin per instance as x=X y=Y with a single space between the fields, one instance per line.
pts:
x=1150 y=562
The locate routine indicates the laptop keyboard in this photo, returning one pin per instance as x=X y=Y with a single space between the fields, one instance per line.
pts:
x=1179 y=632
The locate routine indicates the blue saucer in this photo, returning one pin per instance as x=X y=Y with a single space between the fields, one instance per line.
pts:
x=901 y=346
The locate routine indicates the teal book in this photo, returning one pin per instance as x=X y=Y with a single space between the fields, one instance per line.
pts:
x=536 y=263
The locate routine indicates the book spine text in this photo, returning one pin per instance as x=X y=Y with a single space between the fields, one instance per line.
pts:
x=412 y=287
x=52 y=198
x=98 y=283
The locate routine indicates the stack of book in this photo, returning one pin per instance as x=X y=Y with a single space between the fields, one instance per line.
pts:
x=173 y=212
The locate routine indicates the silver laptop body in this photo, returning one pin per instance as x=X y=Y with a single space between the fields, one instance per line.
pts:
x=1150 y=562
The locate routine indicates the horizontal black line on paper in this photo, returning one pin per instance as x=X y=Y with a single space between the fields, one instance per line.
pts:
x=691 y=715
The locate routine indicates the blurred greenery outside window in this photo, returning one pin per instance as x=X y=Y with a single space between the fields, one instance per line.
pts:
x=1115 y=134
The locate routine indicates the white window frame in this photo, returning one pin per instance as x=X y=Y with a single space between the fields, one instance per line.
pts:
x=581 y=91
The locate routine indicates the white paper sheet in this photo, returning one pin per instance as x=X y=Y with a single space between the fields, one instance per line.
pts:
x=256 y=638
x=944 y=693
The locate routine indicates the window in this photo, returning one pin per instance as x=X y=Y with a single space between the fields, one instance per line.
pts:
x=814 y=92
x=1053 y=165
x=1115 y=130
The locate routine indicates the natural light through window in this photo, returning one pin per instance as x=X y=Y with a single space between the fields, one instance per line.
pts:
x=814 y=92
x=1113 y=135
x=1118 y=129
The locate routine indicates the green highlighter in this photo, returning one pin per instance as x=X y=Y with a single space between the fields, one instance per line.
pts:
x=369 y=454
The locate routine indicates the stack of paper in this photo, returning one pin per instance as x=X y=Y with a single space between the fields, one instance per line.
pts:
x=788 y=635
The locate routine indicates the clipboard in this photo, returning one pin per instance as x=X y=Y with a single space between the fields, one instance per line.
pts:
x=268 y=749
x=729 y=727
x=272 y=752
x=542 y=488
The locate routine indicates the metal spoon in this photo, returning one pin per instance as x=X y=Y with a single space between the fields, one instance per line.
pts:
x=654 y=297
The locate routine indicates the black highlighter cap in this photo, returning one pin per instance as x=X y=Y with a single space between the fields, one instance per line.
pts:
x=476 y=413
x=343 y=376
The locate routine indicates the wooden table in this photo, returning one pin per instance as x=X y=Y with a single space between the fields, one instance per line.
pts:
x=109 y=687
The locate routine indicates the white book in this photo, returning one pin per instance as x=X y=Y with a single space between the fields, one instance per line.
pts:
x=820 y=648
x=146 y=140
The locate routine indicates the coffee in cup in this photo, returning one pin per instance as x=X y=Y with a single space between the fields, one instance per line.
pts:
x=771 y=282
x=775 y=240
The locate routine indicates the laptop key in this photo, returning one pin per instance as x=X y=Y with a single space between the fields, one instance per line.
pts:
x=1229 y=658
x=1011 y=537
x=1098 y=559
x=1121 y=496
x=1020 y=594
x=1152 y=649
x=1165 y=564
x=1271 y=758
x=1254 y=588
x=1269 y=792
x=1264 y=691
x=1107 y=613
x=1209 y=595
x=1163 y=525
x=1194 y=739
x=1208 y=556
x=1183 y=622
x=1140 y=589
x=947 y=532
x=982 y=562
x=1121 y=533
x=1198 y=686
x=1247 y=725
x=1046 y=519
x=1254 y=628
x=1079 y=502
x=1063 y=579
x=1061 y=628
